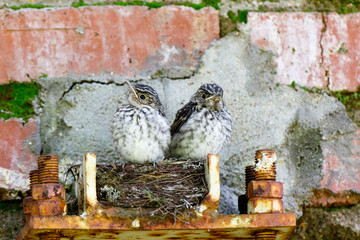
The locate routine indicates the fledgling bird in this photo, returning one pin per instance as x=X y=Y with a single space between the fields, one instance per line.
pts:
x=140 y=130
x=202 y=126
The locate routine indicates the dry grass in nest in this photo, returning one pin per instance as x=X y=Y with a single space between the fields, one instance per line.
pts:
x=173 y=186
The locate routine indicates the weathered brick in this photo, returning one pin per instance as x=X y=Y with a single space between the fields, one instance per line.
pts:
x=342 y=51
x=294 y=38
x=17 y=152
x=129 y=40
x=341 y=169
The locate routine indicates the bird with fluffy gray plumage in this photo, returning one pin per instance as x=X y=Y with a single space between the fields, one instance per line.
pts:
x=140 y=130
x=202 y=126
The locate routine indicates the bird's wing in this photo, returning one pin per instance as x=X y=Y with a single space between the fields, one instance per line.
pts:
x=182 y=116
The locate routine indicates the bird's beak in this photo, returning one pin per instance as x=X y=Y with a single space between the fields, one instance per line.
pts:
x=216 y=98
x=131 y=88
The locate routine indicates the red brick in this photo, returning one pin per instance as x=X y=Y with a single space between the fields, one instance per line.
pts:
x=16 y=157
x=294 y=38
x=129 y=40
x=341 y=167
x=342 y=51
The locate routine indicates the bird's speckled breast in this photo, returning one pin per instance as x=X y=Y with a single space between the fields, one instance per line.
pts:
x=206 y=131
x=141 y=135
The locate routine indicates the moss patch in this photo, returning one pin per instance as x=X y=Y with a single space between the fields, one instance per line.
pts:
x=240 y=17
x=311 y=89
x=16 y=100
x=351 y=101
x=205 y=3
x=36 y=6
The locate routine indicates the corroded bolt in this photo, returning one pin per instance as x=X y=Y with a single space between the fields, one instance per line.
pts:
x=49 y=236
x=265 y=166
x=243 y=199
x=48 y=169
x=265 y=235
x=264 y=192
x=34 y=178
x=249 y=176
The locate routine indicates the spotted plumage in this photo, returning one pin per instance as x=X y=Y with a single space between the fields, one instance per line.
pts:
x=140 y=130
x=202 y=126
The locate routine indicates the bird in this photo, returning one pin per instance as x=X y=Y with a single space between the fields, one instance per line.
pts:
x=140 y=130
x=202 y=126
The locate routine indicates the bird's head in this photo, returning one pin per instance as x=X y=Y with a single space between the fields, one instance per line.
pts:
x=209 y=96
x=141 y=95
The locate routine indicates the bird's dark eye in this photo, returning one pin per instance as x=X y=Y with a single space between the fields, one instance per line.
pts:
x=142 y=96
x=204 y=96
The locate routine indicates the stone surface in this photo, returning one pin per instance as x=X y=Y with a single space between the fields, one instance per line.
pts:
x=342 y=49
x=318 y=223
x=299 y=125
x=131 y=41
x=294 y=38
x=19 y=146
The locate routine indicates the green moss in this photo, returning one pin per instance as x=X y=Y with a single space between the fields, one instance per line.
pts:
x=240 y=17
x=16 y=100
x=140 y=3
x=311 y=89
x=292 y=85
x=351 y=101
x=205 y=3
x=212 y=3
x=37 y=6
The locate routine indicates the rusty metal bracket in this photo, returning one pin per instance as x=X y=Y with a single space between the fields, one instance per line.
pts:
x=264 y=221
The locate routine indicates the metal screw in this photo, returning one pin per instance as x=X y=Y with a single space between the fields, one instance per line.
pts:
x=265 y=166
x=48 y=169
x=249 y=176
x=243 y=199
x=34 y=178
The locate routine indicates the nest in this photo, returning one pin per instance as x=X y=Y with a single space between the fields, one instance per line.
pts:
x=170 y=186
